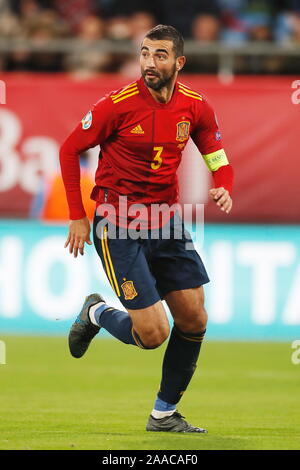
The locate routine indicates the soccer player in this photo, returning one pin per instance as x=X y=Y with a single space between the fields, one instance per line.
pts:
x=142 y=130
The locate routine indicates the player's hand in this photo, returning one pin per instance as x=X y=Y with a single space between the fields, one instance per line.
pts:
x=222 y=198
x=79 y=234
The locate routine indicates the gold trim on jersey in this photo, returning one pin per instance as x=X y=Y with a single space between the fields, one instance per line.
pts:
x=125 y=90
x=130 y=90
x=127 y=87
x=188 y=90
x=108 y=263
x=183 y=91
x=124 y=97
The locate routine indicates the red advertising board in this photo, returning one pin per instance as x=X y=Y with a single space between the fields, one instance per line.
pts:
x=259 y=119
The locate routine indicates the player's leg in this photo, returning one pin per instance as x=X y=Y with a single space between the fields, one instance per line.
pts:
x=147 y=327
x=182 y=353
x=180 y=359
x=180 y=275
x=187 y=309
x=151 y=325
x=144 y=322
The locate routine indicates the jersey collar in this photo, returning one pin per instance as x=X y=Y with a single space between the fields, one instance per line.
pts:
x=145 y=93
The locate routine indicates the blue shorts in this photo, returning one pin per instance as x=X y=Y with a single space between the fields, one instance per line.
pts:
x=143 y=268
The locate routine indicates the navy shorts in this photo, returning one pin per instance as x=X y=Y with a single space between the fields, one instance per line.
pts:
x=143 y=269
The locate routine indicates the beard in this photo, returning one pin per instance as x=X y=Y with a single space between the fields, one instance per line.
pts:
x=163 y=79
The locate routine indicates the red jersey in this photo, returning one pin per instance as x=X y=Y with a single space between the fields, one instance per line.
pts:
x=141 y=144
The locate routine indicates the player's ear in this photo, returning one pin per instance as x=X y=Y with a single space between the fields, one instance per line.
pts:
x=180 y=61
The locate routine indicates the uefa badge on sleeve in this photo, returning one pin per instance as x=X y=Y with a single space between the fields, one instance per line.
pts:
x=218 y=135
x=87 y=121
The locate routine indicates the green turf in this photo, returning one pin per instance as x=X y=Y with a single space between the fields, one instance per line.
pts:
x=245 y=394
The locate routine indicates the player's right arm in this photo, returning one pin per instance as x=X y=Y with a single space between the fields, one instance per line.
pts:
x=94 y=129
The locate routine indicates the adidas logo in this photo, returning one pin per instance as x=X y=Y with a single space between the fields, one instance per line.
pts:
x=137 y=130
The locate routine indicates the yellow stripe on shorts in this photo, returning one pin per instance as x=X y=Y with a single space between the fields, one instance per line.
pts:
x=108 y=263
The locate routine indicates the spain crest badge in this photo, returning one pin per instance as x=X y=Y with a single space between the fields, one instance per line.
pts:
x=129 y=290
x=183 y=128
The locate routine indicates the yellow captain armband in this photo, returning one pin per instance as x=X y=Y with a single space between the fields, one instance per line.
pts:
x=216 y=159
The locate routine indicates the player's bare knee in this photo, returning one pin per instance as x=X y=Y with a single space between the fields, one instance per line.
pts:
x=194 y=321
x=154 y=338
x=199 y=322
x=203 y=319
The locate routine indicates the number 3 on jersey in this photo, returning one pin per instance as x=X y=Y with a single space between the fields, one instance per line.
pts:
x=157 y=158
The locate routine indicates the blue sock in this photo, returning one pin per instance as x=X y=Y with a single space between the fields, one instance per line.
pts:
x=179 y=363
x=118 y=324
x=161 y=405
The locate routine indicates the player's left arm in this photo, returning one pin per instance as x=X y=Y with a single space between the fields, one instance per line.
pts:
x=206 y=136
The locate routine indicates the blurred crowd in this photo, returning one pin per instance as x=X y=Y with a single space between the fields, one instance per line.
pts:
x=229 y=21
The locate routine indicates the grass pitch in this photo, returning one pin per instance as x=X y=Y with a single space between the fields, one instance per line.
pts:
x=245 y=394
